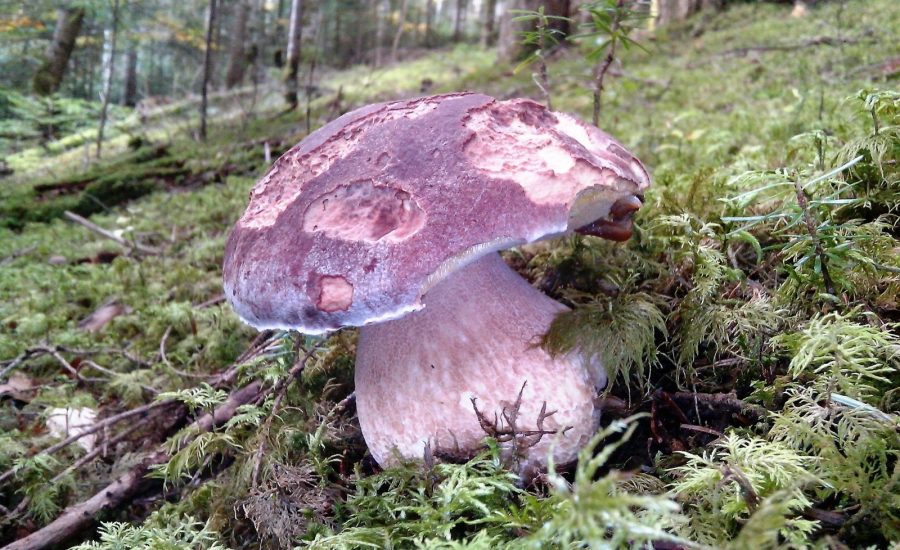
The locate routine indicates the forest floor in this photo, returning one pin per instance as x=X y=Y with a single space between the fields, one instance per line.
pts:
x=751 y=324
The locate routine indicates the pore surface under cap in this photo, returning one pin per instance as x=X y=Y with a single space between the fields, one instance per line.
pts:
x=357 y=221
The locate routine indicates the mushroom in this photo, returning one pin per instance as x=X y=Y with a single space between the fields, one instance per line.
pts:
x=390 y=218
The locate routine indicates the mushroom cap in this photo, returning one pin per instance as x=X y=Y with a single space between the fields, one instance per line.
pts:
x=356 y=222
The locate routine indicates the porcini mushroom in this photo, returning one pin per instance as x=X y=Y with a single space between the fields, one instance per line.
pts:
x=390 y=217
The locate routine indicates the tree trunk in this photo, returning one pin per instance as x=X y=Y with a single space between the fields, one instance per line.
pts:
x=379 y=29
x=668 y=11
x=359 y=54
x=336 y=48
x=258 y=41
x=107 y=81
x=50 y=74
x=487 y=23
x=510 y=43
x=129 y=89
x=400 y=25
x=460 y=20
x=237 y=58
x=510 y=47
x=429 y=23
x=207 y=67
x=295 y=29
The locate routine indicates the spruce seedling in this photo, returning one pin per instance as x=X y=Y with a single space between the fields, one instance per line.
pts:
x=544 y=38
x=611 y=24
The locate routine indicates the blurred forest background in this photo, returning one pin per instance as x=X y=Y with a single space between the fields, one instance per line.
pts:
x=749 y=329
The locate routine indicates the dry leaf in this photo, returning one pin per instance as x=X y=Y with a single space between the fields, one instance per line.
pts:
x=18 y=387
x=103 y=315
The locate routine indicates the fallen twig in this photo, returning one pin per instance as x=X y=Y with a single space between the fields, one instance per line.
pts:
x=721 y=400
x=77 y=517
x=214 y=301
x=280 y=390
x=702 y=429
x=110 y=235
x=99 y=425
x=18 y=254
x=817 y=41
x=226 y=377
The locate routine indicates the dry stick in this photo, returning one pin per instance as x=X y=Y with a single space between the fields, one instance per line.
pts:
x=93 y=365
x=77 y=517
x=723 y=400
x=72 y=370
x=10 y=515
x=224 y=378
x=18 y=254
x=818 y=41
x=109 y=235
x=214 y=301
x=97 y=451
x=165 y=360
x=280 y=389
x=610 y=57
x=803 y=201
x=16 y=361
x=733 y=473
x=108 y=421
x=702 y=429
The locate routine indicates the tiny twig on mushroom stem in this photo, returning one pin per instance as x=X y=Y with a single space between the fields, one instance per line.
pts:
x=510 y=433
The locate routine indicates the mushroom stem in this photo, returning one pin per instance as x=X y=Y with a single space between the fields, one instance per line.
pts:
x=476 y=339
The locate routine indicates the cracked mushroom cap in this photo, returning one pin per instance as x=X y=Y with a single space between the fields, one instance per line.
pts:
x=355 y=223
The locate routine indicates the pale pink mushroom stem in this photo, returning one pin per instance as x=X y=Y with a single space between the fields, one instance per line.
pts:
x=477 y=337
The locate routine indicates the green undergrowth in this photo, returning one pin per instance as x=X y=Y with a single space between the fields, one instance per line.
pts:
x=750 y=327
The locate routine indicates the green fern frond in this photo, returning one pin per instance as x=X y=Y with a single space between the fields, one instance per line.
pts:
x=723 y=487
x=159 y=532
x=852 y=358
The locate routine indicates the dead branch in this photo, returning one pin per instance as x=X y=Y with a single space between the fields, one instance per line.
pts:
x=721 y=401
x=77 y=517
x=702 y=429
x=602 y=69
x=99 y=425
x=280 y=389
x=733 y=473
x=817 y=41
x=258 y=346
x=110 y=235
x=98 y=450
x=18 y=254
x=214 y=301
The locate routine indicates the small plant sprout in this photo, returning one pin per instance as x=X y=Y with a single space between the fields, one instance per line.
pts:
x=544 y=38
x=610 y=25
